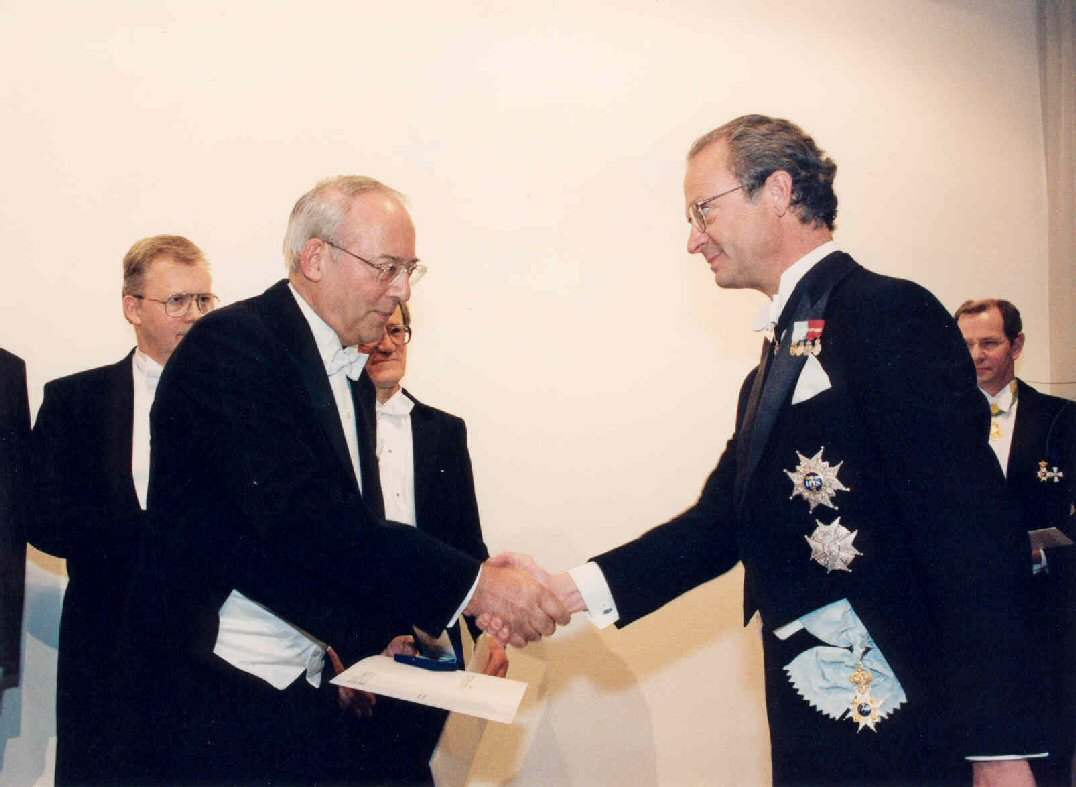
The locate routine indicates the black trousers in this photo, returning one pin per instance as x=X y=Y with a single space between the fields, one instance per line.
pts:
x=215 y=724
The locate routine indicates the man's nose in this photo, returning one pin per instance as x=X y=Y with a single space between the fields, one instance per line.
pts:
x=695 y=240
x=400 y=287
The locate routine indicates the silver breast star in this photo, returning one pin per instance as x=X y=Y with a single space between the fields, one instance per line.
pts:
x=831 y=546
x=815 y=481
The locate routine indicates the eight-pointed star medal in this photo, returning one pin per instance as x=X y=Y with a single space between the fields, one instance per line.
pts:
x=816 y=481
x=831 y=546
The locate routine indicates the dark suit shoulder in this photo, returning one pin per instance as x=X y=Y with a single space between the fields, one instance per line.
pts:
x=885 y=293
x=10 y=360
x=250 y=331
x=433 y=413
x=1032 y=398
x=98 y=378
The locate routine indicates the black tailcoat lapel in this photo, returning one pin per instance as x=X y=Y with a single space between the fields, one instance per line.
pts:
x=807 y=302
x=119 y=415
x=277 y=307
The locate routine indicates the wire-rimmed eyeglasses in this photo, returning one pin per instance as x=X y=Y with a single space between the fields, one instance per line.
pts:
x=178 y=304
x=387 y=272
x=399 y=335
x=697 y=210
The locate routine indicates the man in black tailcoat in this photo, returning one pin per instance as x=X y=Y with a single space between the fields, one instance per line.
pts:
x=878 y=544
x=90 y=460
x=1034 y=438
x=261 y=549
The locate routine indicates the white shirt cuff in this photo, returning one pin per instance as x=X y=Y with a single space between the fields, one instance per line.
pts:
x=590 y=580
x=466 y=599
x=992 y=758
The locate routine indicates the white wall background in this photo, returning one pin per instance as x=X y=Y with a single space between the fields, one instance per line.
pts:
x=542 y=150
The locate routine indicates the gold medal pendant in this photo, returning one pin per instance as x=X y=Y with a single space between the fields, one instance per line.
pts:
x=864 y=708
x=995 y=429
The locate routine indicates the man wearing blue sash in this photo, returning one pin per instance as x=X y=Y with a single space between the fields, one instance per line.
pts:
x=878 y=544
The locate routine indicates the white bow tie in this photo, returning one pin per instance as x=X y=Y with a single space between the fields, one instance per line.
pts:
x=398 y=406
x=348 y=360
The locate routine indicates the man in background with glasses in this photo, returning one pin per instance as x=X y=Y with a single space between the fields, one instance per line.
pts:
x=426 y=481
x=267 y=541
x=90 y=460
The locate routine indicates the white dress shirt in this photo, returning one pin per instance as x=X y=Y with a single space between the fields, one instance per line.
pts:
x=396 y=457
x=146 y=373
x=251 y=637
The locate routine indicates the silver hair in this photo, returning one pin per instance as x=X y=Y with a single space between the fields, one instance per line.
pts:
x=319 y=212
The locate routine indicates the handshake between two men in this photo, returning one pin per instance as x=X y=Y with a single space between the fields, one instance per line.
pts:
x=518 y=602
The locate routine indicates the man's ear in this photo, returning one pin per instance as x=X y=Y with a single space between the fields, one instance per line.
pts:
x=1017 y=345
x=313 y=259
x=132 y=309
x=778 y=189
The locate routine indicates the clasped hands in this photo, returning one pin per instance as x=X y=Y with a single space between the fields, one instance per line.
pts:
x=517 y=601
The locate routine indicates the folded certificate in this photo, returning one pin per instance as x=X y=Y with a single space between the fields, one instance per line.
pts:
x=457 y=690
x=1048 y=537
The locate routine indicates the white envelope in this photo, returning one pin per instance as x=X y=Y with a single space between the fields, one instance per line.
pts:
x=813 y=380
x=455 y=690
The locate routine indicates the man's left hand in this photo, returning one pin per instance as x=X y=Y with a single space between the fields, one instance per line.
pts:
x=497 y=666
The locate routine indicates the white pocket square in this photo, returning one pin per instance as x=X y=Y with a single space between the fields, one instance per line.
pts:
x=813 y=380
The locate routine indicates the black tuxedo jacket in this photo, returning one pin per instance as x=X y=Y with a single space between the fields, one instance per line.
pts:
x=941 y=580
x=14 y=507
x=1045 y=431
x=88 y=513
x=251 y=489
x=401 y=736
x=446 y=506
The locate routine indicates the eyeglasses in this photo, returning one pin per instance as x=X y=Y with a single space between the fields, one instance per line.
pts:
x=696 y=211
x=388 y=272
x=399 y=334
x=178 y=304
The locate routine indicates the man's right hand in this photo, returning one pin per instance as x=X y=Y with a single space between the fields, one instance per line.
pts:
x=517 y=607
x=562 y=584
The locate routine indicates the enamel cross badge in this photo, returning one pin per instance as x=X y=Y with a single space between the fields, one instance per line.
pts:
x=806 y=337
x=815 y=480
x=831 y=546
x=1047 y=473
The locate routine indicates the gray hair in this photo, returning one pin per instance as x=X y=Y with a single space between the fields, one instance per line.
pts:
x=760 y=145
x=319 y=212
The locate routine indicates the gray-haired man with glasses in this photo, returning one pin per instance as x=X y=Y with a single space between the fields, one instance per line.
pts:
x=857 y=493
x=264 y=463
x=90 y=449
